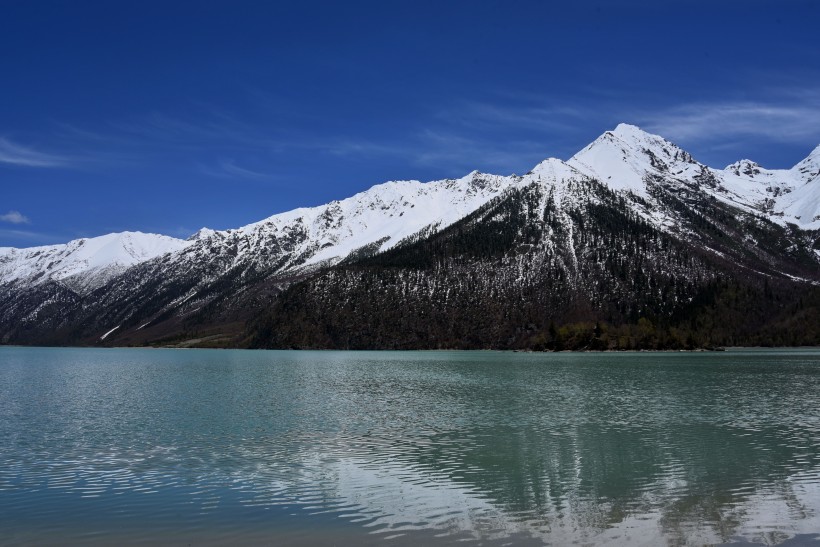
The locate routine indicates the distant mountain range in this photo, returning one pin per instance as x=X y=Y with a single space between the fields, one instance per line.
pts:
x=631 y=243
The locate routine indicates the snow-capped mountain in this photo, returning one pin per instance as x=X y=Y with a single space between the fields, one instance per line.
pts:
x=376 y=219
x=803 y=203
x=623 y=159
x=628 y=159
x=83 y=264
x=147 y=286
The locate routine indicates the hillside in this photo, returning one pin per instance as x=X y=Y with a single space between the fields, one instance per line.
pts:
x=630 y=243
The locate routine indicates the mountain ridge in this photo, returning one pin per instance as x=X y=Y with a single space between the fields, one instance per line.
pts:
x=86 y=263
x=626 y=134
x=741 y=216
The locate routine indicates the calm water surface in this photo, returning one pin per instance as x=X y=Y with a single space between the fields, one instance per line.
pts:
x=133 y=446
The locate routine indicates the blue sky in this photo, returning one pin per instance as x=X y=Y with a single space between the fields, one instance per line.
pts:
x=168 y=116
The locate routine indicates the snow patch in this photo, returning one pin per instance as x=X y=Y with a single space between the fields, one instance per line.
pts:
x=90 y=261
x=104 y=336
x=627 y=160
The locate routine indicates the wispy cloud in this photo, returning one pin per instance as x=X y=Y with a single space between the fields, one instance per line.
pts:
x=464 y=135
x=792 y=120
x=507 y=115
x=15 y=217
x=17 y=154
x=357 y=147
x=450 y=150
x=228 y=169
x=511 y=133
x=29 y=237
x=211 y=128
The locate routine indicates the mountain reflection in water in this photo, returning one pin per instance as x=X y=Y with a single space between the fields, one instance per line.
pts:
x=139 y=446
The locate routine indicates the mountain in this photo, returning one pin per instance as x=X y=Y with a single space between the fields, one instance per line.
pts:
x=572 y=265
x=632 y=228
x=84 y=264
x=631 y=160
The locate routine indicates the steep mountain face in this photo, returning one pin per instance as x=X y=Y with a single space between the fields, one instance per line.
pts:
x=633 y=161
x=496 y=279
x=543 y=269
x=84 y=264
x=39 y=285
x=631 y=227
x=218 y=277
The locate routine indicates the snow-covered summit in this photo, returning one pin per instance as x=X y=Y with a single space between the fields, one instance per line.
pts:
x=629 y=159
x=803 y=202
x=624 y=157
x=787 y=195
x=808 y=169
x=552 y=169
x=84 y=264
x=202 y=233
x=746 y=167
x=378 y=218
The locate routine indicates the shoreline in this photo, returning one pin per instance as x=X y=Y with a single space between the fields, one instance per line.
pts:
x=721 y=349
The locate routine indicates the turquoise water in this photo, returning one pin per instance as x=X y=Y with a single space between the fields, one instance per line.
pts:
x=141 y=446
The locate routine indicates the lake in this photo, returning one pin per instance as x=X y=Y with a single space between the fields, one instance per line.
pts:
x=147 y=446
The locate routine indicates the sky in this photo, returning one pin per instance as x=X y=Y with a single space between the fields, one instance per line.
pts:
x=167 y=116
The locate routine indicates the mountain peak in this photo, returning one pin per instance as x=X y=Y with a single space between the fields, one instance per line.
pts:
x=624 y=157
x=89 y=261
x=202 y=233
x=635 y=136
x=745 y=167
x=630 y=131
x=809 y=168
x=554 y=170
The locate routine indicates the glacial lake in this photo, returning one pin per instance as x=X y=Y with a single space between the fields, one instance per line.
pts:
x=202 y=447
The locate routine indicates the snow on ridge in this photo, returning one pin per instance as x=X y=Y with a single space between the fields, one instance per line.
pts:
x=808 y=170
x=386 y=213
x=376 y=219
x=89 y=261
x=787 y=195
x=555 y=170
x=803 y=204
x=747 y=167
x=104 y=336
x=626 y=159
x=202 y=233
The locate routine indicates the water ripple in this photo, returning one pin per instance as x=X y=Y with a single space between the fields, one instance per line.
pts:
x=134 y=446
